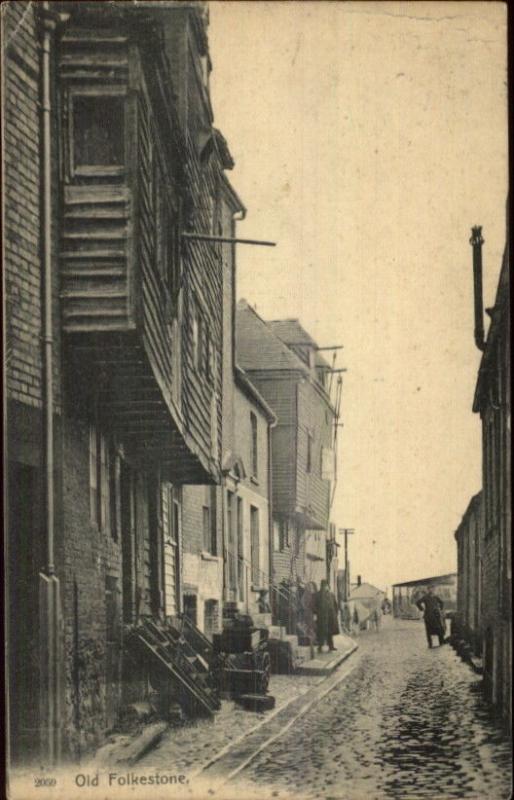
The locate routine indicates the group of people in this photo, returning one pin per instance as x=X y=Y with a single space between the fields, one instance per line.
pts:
x=315 y=614
x=310 y=613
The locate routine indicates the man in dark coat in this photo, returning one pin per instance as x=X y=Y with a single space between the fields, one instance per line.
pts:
x=326 y=617
x=432 y=607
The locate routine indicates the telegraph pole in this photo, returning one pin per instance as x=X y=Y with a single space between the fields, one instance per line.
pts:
x=346 y=532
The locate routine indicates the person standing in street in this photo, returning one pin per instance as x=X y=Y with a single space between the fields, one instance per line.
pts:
x=356 y=620
x=432 y=607
x=326 y=617
x=346 y=619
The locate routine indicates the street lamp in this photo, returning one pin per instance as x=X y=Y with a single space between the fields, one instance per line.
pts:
x=346 y=532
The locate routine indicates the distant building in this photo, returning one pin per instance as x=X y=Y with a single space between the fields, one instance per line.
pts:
x=366 y=598
x=493 y=402
x=283 y=362
x=469 y=537
x=407 y=593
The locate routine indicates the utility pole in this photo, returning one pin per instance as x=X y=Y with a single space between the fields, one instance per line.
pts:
x=346 y=532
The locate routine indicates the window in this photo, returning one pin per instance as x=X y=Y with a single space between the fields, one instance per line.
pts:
x=196 y=337
x=240 y=550
x=114 y=477
x=207 y=534
x=309 y=453
x=93 y=476
x=254 y=458
x=255 y=544
x=232 y=544
x=161 y=222
x=104 y=477
x=280 y=535
x=199 y=344
x=98 y=138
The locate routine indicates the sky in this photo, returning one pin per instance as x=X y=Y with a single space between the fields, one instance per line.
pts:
x=368 y=138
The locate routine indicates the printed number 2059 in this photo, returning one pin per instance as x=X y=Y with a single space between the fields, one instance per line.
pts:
x=39 y=782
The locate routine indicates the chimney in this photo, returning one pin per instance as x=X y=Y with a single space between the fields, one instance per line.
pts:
x=476 y=242
x=359 y=581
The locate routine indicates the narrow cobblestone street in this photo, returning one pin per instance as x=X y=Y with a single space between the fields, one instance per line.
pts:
x=409 y=722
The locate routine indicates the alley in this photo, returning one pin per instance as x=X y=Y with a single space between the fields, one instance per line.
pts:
x=408 y=722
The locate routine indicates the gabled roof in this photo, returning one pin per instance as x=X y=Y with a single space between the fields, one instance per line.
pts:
x=246 y=386
x=365 y=590
x=258 y=348
x=293 y=333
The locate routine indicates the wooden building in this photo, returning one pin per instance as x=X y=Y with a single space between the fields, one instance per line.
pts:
x=114 y=333
x=493 y=402
x=283 y=362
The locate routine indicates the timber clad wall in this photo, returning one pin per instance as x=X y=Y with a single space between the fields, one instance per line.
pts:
x=280 y=393
x=315 y=421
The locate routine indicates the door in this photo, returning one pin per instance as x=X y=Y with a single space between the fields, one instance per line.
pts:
x=25 y=559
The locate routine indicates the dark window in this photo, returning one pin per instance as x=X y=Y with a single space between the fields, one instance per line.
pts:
x=114 y=468
x=280 y=535
x=309 y=452
x=254 y=450
x=207 y=535
x=98 y=131
x=199 y=340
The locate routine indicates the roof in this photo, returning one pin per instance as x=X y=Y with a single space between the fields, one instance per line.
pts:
x=293 y=333
x=433 y=579
x=258 y=348
x=365 y=590
x=473 y=505
x=498 y=328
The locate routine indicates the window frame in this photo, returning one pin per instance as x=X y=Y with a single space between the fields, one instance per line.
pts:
x=95 y=170
x=207 y=529
x=308 y=461
x=254 y=445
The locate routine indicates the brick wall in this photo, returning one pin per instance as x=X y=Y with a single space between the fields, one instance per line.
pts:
x=22 y=214
x=89 y=556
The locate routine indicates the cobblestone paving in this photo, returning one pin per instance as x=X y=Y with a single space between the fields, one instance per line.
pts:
x=407 y=723
x=191 y=746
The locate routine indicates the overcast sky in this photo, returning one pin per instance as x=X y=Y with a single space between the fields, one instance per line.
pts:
x=368 y=138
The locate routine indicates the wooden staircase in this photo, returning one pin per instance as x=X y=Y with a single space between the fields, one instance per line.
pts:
x=180 y=658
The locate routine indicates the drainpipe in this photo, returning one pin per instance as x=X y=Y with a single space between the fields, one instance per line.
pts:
x=271 y=571
x=49 y=595
x=48 y=27
x=476 y=242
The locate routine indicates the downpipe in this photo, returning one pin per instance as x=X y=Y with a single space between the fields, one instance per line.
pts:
x=49 y=590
